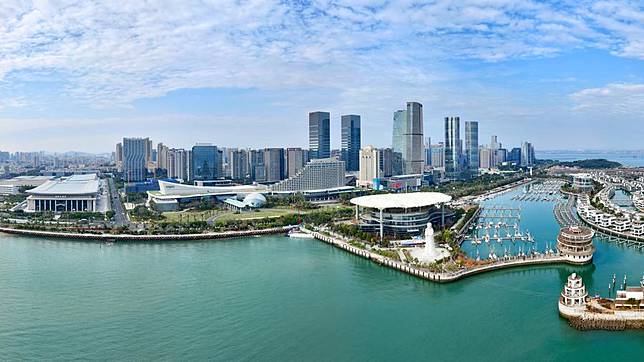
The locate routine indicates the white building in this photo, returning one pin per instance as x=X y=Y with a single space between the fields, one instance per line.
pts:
x=318 y=174
x=74 y=193
x=369 y=166
x=582 y=182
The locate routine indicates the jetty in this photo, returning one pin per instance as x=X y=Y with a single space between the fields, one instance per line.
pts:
x=442 y=277
x=626 y=311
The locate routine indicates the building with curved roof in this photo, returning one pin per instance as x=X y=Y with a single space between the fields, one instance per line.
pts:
x=71 y=194
x=400 y=215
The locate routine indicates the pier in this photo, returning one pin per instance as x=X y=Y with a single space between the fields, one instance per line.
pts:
x=565 y=214
x=506 y=263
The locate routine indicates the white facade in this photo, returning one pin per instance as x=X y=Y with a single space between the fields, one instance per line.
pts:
x=369 y=166
x=72 y=194
x=318 y=174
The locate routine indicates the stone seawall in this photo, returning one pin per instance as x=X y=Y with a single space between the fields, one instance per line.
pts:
x=431 y=276
x=607 y=323
x=135 y=238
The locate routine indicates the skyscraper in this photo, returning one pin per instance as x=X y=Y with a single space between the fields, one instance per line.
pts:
x=134 y=159
x=472 y=148
x=350 y=147
x=239 y=164
x=206 y=162
x=527 y=154
x=118 y=157
x=438 y=155
x=274 y=163
x=398 y=138
x=413 y=160
x=369 y=166
x=256 y=166
x=452 y=148
x=320 y=135
x=295 y=161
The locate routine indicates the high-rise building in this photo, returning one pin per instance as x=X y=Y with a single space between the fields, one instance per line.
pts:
x=256 y=166
x=295 y=160
x=452 y=148
x=319 y=174
x=514 y=156
x=438 y=155
x=398 y=135
x=485 y=158
x=320 y=134
x=162 y=156
x=369 y=166
x=472 y=148
x=206 y=162
x=176 y=163
x=351 y=141
x=118 y=157
x=527 y=154
x=413 y=157
x=134 y=159
x=390 y=162
x=274 y=163
x=500 y=156
x=239 y=164
x=428 y=151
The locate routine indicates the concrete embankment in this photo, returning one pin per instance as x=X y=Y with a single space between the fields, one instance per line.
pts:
x=135 y=238
x=437 y=277
x=590 y=321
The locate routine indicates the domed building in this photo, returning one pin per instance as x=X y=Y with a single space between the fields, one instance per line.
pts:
x=255 y=200
x=575 y=244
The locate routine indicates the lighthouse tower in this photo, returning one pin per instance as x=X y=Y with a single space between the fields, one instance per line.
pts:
x=574 y=296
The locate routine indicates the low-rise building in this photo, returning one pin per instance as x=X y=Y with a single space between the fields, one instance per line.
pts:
x=72 y=194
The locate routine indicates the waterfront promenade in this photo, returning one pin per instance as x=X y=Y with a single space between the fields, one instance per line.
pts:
x=135 y=238
x=513 y=262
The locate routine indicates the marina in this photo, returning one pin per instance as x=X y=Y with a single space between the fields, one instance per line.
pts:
x=258 y=281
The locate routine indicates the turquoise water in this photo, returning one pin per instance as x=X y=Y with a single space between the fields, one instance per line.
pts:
x=537 y=217
x=274 y=298
x=626 y=158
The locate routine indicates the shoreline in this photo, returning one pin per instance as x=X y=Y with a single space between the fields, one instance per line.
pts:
x=432 y=276
x=140 y=238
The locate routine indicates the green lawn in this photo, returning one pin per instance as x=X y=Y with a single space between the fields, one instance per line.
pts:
x=261 y=214
x=218 y=215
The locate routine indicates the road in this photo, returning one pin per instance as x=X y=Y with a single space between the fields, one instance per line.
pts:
x=120 y=219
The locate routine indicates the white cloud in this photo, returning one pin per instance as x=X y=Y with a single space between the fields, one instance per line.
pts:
x=115 y=52
x=616 y=99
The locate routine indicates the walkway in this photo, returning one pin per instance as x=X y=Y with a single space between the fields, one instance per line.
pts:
x=342 y=243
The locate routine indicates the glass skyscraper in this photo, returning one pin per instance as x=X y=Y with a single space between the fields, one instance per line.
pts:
x=452 y=147
x=135 y=159
x=351 y=141
x=472 y=148
x=408 y=137
x=413 y=155
x=206 y=162
x=320 y=135
x=398 y=138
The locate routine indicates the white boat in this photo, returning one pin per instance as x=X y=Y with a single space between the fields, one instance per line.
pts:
x=300 y=235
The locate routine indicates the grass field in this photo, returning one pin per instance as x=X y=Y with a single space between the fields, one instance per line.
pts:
x=218 y=215
x=260 y=214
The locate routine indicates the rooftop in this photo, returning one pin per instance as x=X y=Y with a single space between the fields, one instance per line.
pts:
x=73 y=185
x=402 y=201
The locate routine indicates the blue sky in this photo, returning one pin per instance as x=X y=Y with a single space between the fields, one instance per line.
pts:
x=81 y=75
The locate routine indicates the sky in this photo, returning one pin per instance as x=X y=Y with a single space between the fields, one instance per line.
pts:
x=80 y=75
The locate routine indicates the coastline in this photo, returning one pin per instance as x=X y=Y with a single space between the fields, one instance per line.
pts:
x=137 y=238
x=437 y=277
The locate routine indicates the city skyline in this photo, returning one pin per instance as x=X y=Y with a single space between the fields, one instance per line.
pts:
x=249 y=76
